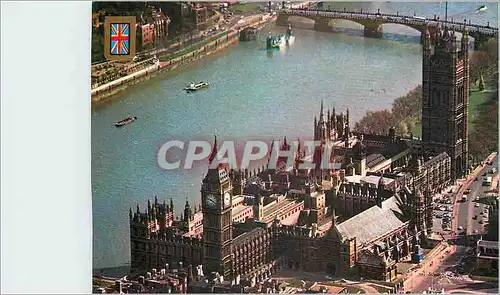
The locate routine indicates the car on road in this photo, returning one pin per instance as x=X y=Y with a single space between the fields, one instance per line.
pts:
x=460 y=228
x=476 y=205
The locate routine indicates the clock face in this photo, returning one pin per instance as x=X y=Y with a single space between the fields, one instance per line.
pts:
x=227 y=200
x=211 y=201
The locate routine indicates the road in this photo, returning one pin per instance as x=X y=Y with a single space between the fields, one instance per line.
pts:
x=444 y=274
x=470 y=209
x=464 y=212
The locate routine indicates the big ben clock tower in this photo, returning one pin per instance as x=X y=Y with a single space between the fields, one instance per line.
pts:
x=216 y=195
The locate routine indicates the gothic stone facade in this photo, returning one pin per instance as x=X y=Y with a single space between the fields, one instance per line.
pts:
x=445 y=97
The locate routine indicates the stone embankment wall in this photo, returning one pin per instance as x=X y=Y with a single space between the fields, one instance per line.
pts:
x=112 y=88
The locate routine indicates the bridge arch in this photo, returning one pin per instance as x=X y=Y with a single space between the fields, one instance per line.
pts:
x=299 y=22
x=395 y=28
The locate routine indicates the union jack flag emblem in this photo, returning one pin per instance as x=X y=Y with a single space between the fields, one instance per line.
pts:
x=120 y=39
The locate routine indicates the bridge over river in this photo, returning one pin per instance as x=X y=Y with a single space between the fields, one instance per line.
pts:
x=372 y=22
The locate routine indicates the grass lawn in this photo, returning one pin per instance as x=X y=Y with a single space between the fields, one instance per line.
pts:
x=247 y=7
x=477 y=100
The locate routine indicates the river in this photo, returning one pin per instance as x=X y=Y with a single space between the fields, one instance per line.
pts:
x=253 y=94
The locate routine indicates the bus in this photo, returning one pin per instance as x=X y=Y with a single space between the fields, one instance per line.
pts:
x=487 y=181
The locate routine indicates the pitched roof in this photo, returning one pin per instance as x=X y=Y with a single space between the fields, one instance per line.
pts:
x=392 y=204
x=369 y=225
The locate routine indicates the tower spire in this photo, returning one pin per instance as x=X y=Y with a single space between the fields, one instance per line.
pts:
x=214 y=150
x=321 y=112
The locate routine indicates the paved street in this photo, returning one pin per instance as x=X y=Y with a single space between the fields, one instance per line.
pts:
x=470 y=216
x=446 y=272
x=462 y=219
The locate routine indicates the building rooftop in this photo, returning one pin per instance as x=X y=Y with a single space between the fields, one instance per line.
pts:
x=369 y=225
x=374 y=179
x=238 y=209
x=326 y=288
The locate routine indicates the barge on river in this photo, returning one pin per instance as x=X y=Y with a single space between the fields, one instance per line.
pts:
x=125 y=121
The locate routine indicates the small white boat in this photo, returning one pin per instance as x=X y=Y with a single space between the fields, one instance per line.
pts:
x=482 y=8
x=289 y=37
x=195 y=87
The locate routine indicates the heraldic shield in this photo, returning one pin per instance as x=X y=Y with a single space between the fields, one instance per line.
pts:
x=119 y=38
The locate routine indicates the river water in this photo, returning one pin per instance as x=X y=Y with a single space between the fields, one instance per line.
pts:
x=253 y=93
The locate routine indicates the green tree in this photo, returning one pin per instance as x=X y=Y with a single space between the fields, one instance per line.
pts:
x=375 y=122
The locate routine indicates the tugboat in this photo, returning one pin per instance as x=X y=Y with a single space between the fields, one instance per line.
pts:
x=275 y=41
x=125 y=121
x=195 y=87
x=289 y=37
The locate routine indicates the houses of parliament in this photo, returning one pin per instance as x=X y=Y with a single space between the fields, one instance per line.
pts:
x=359 y=219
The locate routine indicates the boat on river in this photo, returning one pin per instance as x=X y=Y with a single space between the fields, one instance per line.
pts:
x=125 y=121
x=289 y=37
x=482 y=8
x=275 y=41
x=195 y=87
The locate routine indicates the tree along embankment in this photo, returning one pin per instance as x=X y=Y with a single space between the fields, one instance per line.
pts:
x=406 y=111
